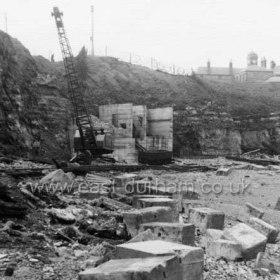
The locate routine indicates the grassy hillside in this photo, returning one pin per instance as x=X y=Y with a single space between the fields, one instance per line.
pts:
x=111 y=80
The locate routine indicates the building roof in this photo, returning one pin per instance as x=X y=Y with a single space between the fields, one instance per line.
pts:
x=216 y=71
x=274 y=79
x=276 y=71
x=256 y=68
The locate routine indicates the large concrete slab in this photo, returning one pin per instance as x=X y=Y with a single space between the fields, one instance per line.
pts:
x=137 y=197
x=252 y=242
x=191 y=257
x=227 y=249
x=173 y=232
x=265 y=228
x=134 y=218
x=204 y=218
x=154 y=268
x=161 y=201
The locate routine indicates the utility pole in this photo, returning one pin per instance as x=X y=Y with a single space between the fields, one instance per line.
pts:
x=6 y=22
x=92 y=31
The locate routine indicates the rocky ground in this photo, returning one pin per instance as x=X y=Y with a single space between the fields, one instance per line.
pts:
x=58 y=235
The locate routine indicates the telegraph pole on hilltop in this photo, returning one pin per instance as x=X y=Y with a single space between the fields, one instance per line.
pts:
x=92 y=32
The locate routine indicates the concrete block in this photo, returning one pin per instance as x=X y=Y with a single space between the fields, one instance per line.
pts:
x=173 y=232
x=191 y=258
x=144 y=236
x=185 y=195
x=161 y=201
x=187 y=204
x=123 y=180
x=210 y=236
x=204 y=218
x=137 y=197
x=63 y=215
x=179 y=198
x=154 y=268
x=134 y=218
x=266 y=229
x=252 y=242
x=139 y=187
x=254 y=211
x=227 y=249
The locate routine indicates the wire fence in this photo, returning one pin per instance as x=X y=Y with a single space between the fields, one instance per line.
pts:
x=150 y=62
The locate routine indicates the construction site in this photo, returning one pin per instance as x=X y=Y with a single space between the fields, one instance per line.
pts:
x=114 y=171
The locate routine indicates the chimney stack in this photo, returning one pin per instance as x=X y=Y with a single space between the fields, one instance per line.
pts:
x=272 y=64
x=263 y=62
x=208 y=67
x=230 y=68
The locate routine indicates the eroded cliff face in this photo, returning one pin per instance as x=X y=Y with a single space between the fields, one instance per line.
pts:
x=27 y=124
x=211 y=133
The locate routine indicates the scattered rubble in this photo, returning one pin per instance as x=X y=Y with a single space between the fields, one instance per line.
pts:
x=67 y=234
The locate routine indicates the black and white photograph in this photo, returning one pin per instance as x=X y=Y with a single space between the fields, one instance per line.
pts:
x=140 y=140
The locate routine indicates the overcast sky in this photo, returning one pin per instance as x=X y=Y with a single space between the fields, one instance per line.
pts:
x=182 y=32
